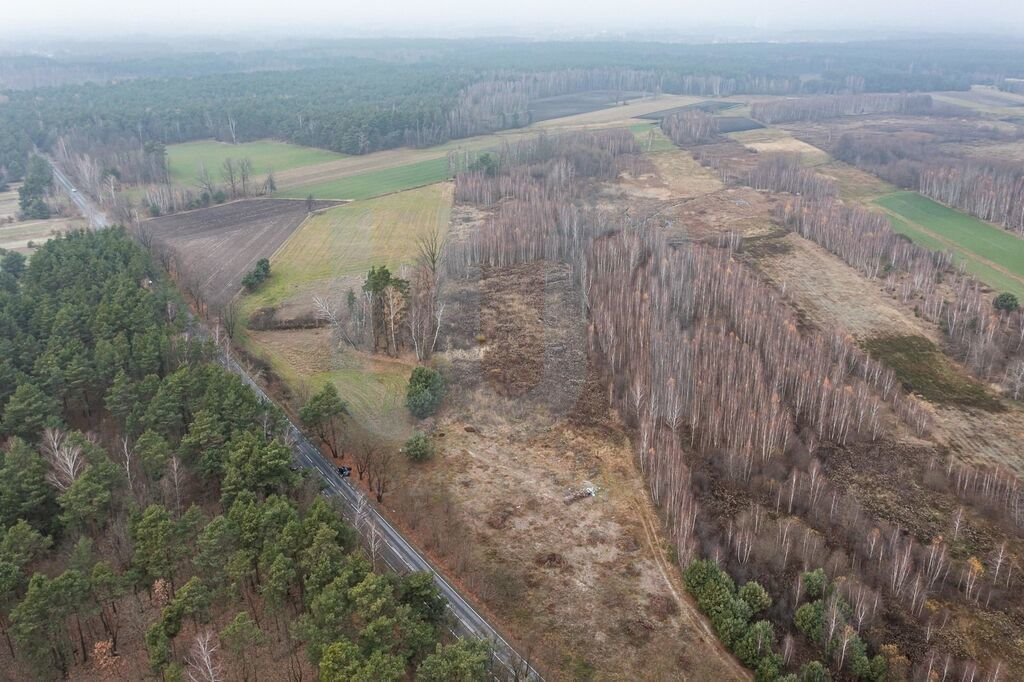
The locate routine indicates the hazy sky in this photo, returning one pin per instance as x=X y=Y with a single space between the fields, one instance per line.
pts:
x=410 y=17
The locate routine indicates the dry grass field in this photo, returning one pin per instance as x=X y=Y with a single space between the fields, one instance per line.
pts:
x=617 y=115
x=587 y=588
x=372 y=386
x=774 y=140
x=328 y=255
x=346 y=241
x=984 y=99
x=9 y=203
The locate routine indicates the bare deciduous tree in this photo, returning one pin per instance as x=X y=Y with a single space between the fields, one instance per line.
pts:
x=229 y=171
x=205 y=181
x=175 y=480
x=203 y=663
x=364 y=452
x=244 y=174
x=381 y=473
x=128 y=463
x=64 y=457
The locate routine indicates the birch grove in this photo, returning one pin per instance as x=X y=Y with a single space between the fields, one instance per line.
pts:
x=712 y=371
x=698 y=352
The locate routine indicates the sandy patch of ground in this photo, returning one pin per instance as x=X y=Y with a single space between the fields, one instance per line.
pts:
x=773 y=140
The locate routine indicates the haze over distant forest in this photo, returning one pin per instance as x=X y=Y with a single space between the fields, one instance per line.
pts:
x=573 y=18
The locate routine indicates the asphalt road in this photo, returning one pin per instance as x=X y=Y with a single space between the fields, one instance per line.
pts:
x=97 y=219
x=400 y=556
x=393 y=549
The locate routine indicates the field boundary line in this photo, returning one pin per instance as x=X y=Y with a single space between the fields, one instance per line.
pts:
x=953 y=246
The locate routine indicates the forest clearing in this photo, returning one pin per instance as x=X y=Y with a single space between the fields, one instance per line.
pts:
x=672 y=189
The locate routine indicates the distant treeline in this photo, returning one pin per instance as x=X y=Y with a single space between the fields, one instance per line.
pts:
x=370 y=95
x=819 y=108
x=1014 y=85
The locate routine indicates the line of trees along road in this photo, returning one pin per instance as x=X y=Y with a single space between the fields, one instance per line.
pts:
x=150 y=520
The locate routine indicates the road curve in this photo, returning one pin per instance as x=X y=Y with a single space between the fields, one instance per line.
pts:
x=393 y=549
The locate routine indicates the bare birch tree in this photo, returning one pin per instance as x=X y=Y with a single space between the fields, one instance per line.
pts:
x=64 y=456
x=203 y=663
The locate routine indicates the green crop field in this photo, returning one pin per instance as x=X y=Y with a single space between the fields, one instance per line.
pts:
x=346 y=241
x=186 y=160
x=990 y=253
x=375 y=183
x=650 y=138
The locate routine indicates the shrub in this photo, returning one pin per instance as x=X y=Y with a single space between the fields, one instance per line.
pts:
x=425 y=392
x=814 y=583
x=814 y=672
x=756 y=597
x=258 y=275
x=1006 y=301
x=698 y=573
x=756 y=641
x=730 y=612
x=768 y=668
x=419 y=448
x=809 y=619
